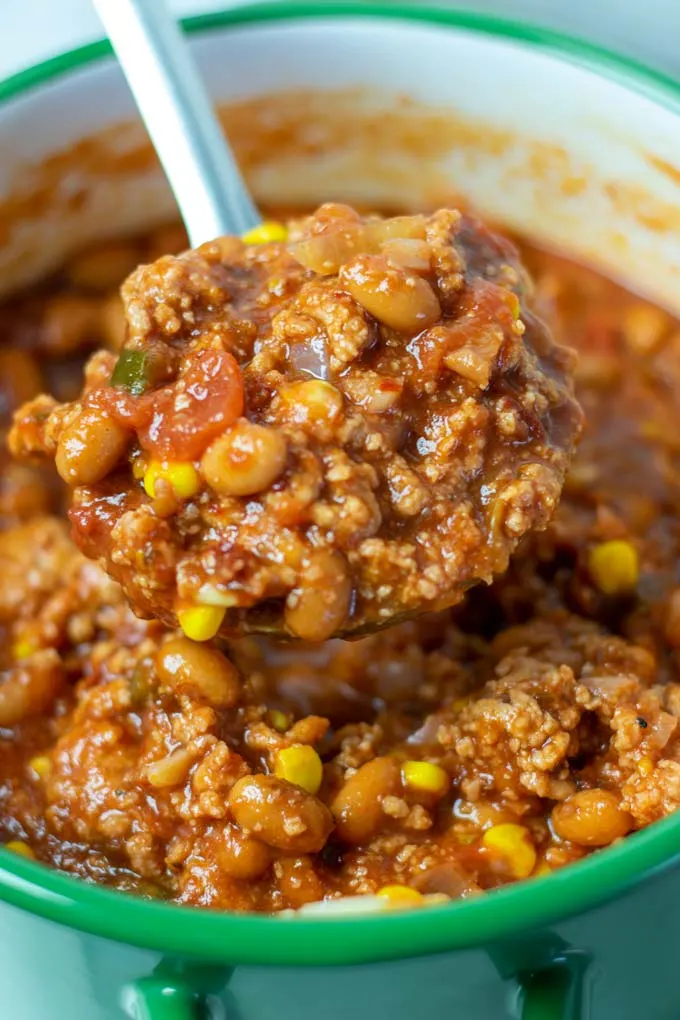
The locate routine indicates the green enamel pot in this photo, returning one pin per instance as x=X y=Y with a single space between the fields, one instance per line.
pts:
x=571 y=144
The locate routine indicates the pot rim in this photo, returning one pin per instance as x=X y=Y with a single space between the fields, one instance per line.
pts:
x=300 y=941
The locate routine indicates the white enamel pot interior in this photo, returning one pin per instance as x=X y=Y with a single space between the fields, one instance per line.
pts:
x=571 y=148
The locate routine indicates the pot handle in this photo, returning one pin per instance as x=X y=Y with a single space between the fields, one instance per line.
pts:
x=161 y=998
x=555 y=992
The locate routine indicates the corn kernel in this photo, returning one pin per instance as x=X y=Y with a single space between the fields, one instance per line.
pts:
x=181 y=476
x=300 y=765
x=139 y=467
x=17 y=846
x=278 y=719
x=265 y=233
x=400 y=895
x=41 y=765
x=424 y=777
x=614 y=567
x=645 y=766
x=542 y=868
x=513 y=842
x=23 y=647
x=200 y=623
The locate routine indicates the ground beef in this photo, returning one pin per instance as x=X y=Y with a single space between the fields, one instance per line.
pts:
x=316 y=435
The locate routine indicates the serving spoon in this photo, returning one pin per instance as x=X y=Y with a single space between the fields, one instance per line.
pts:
x=174 y=105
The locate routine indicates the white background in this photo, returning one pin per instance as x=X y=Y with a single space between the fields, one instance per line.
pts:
x=31 y=30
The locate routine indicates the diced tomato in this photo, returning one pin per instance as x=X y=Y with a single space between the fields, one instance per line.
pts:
x=484 y=306
x=188 y=415
x=179 y=421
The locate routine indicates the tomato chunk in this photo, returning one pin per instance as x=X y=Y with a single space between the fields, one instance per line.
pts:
x=200 y=405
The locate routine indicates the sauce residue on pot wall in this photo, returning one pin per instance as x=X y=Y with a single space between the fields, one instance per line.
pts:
x=301 y=148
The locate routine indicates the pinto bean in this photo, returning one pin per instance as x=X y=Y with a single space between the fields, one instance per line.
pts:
x=280 y=814
x=392 y=294
x=90 y=447
x=30 y=687
x=591 y=818
x=357 y=805
x=185 y=665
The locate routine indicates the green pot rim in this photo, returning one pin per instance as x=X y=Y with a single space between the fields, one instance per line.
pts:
x=299 y=941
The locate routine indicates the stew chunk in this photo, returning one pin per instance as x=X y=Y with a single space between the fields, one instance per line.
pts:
x=319 y=434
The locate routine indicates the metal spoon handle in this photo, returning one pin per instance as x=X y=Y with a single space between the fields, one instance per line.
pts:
x=179 y=117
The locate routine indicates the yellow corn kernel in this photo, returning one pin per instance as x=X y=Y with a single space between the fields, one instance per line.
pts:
x=181 y=476
x=17 y=846
x=23 y=647
x=41 y=765
x=139 y=467
x=278 y=719
x=424 y=777
x=513 y=842
x=265 y=233
x=542 y=868
x=401 y=895
x=301 y=765
x=200 y=623
x=645 y=766
x=614 y=567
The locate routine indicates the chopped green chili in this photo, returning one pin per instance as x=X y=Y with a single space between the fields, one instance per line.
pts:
x=142 y=685
x=132 y=372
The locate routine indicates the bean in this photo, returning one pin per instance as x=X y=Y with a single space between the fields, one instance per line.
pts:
x=112 y=322
x=69 y=323
x=20 y=379
x=312 y=401
x=390 y=293
x=357 y=806
x=171 y=770
x=24 y=492
x=90 y=447
x=104 y=267
x=246 y=460
x=30 y=689
x=280 y=814
x=591 y=818
x=241 y=856
x=319 y=605
x=186 y=666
